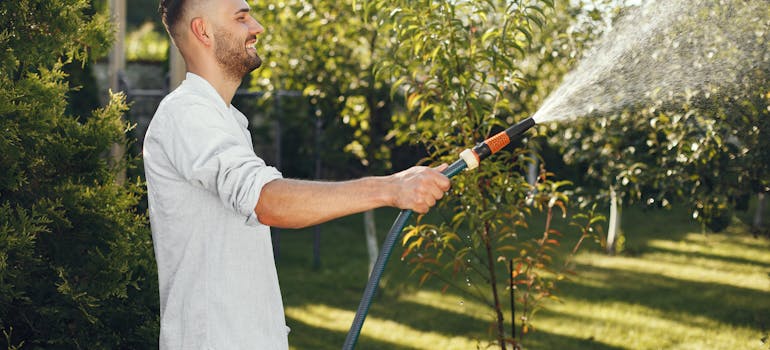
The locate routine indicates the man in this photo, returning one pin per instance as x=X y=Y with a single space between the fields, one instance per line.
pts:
x=212 y=199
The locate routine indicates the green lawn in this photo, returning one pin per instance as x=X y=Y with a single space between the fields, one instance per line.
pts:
x=673 y=288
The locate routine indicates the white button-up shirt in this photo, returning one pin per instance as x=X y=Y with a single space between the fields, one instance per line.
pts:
x=218 y=282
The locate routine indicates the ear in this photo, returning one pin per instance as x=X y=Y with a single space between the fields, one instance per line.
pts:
x=201 y=31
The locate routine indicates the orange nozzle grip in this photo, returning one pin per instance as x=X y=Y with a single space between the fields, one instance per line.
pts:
x=497 y=142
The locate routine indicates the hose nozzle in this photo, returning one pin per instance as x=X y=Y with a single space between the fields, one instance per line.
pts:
x=495 y=143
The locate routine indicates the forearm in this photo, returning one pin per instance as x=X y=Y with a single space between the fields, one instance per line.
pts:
x=296 y=203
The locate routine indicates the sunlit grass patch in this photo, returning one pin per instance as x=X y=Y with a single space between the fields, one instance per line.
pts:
x=628 y=325
x=381 y=330
x=449 y=302
x=686 y=268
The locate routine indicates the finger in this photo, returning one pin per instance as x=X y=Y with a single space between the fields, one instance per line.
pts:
x=437 y=193
x=441 y=167
x=442 y=182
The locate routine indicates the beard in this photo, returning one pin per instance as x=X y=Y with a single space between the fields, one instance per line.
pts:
x=232 y=56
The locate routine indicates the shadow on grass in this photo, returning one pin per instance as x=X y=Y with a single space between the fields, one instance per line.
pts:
x=679 y=299
x=425 y=319
x=429 y=319
x=304 y=336
x=542 y=339
x=704 y=255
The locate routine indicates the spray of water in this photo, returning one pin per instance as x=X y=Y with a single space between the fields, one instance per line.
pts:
x=666 y=49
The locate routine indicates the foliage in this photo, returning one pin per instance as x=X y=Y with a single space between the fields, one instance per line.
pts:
x=147 y=44
x=534 y=272
x=76 y=269
x=327 y=50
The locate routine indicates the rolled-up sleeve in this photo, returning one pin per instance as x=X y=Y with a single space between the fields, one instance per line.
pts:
x=208 y=150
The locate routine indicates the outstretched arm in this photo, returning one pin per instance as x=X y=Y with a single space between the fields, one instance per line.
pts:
x=297 y=203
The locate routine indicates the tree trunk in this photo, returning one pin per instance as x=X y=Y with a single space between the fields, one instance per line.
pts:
x=117 y=65
x=761 y=202
x=532 y=169
x=532 y=175
x=117 y=57
x=493 y=283
x=371 y=238
x=613 y=232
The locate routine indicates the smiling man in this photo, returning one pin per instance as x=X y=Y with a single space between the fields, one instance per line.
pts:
x=212 y=199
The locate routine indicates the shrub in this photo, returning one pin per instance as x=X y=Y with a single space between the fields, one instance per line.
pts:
x=76 y=269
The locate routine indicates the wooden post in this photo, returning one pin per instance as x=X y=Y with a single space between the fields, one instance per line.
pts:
x=177 y=67
x=117 y=59
x=117 y=65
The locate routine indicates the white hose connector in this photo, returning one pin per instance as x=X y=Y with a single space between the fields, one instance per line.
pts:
x=470 y=158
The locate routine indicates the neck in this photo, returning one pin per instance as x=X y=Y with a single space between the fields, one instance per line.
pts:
x=225 y=85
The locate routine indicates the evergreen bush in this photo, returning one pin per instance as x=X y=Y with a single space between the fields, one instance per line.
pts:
x=76 y=269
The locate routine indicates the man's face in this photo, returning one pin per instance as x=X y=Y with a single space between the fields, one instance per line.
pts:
x=235 y=34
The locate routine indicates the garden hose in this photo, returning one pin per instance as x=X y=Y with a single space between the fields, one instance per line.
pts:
x=470 y=159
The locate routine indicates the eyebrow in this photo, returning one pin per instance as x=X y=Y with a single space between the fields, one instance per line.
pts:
x=242 y=10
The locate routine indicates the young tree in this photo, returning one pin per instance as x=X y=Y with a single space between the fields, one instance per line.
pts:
x=459 y=66
x=76 y=269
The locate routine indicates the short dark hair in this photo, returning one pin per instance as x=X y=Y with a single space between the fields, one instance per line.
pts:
x=171 y=12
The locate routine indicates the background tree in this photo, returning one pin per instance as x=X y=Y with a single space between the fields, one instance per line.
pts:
x=327 y=50
x=76 y=269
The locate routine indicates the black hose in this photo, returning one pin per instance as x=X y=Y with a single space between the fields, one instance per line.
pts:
x=379 y=266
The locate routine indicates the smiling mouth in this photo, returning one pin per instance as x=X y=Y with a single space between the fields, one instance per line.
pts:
x=251 y=45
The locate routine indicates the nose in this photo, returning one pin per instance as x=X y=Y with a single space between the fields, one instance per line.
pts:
x=256 y=28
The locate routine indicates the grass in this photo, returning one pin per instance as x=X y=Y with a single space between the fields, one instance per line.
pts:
x=672 y=288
